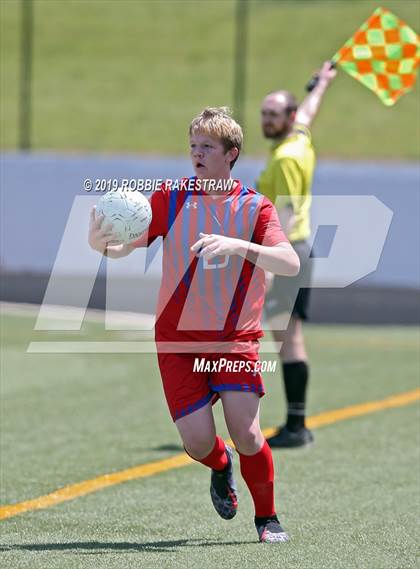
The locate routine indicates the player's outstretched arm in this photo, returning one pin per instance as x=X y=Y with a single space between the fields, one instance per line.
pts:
x=309 y=107
x=280 y=259
x=102 y=239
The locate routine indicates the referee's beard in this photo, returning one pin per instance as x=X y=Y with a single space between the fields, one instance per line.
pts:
x=275 y=134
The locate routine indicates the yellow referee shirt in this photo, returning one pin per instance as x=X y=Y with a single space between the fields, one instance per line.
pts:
x=287 y=179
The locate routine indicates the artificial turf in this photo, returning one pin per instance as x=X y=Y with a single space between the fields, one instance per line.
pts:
x=349 y=501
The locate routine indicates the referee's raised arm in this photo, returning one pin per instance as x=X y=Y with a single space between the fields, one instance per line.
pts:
x=309 y=107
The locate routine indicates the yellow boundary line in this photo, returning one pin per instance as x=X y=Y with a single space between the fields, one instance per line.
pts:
x=145 y=470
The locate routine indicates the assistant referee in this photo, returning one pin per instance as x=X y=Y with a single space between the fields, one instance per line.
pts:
x=287 y=182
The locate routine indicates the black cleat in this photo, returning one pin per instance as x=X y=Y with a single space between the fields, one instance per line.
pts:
x=223 y=490
x=270 y=531
x=290 y=439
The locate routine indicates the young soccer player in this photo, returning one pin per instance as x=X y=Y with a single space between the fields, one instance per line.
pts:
x=217 y=243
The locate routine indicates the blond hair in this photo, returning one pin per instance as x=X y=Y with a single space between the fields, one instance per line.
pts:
x=217 y=122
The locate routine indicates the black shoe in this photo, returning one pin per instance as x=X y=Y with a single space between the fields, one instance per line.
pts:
x=270 y=531
x=223 y=490
x=290 y=439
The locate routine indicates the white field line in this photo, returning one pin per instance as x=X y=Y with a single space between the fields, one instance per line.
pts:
x=72 y=313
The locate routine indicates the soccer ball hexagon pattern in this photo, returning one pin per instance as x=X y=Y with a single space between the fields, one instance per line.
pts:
x=129 y=212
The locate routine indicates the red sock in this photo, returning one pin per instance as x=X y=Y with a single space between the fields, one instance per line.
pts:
x=217 y=459
x=258 y=472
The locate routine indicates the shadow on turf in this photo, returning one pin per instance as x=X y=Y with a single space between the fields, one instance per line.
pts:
x=170 y=447
x=159 y=546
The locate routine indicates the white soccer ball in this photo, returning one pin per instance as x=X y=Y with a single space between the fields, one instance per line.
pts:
x=129 y=212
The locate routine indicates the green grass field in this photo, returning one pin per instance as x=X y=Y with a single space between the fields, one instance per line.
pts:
x=126 y=75
x=350 y=501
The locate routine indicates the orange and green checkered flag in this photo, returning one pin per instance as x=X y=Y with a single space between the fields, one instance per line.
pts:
x=383 y=55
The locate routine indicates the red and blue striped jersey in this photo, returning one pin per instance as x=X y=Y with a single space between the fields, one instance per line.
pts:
x=217 y=300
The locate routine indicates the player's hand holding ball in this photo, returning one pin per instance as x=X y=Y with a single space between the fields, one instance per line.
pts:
x=100 y=233
x=120 y=218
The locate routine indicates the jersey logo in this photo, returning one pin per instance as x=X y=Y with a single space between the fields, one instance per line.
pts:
x=191 y=205
x=222 y=265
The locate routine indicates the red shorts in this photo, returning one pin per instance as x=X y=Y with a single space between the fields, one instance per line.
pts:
x=190 y=381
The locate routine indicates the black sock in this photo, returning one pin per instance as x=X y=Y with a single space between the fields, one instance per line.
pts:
x=295 y=375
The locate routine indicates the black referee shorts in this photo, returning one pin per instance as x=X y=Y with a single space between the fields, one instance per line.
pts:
x=291 y=294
